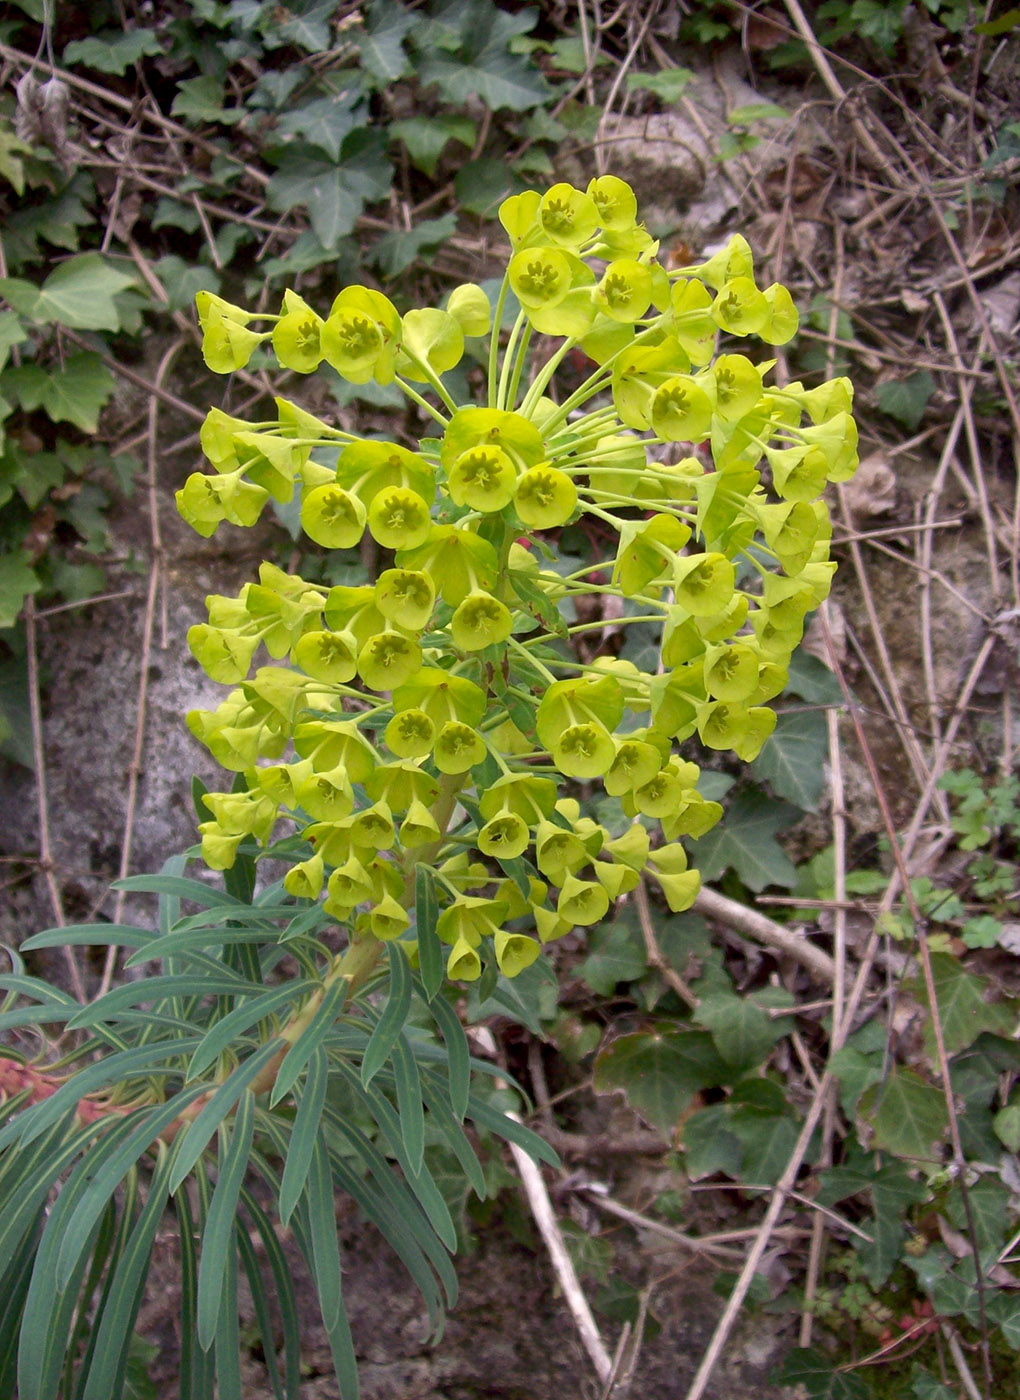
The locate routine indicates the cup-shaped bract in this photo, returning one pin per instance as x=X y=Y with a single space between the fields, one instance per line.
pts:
x=480 y=621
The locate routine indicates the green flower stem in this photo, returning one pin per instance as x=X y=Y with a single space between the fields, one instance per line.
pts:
x=617 y=499
x=599 y=379
x=541 y=381
x=533 y=660
x=497 y=322
x=522 y=360
x=512 y=355
x=423 y=403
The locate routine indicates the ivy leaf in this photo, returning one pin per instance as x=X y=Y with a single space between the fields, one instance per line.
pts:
x=820 y=1379
x=659 y=1071
x=114 y=51
x=812 y=680
x=906 y=399
x=792 y=760
x=744 y=1033
x=17 y=580
x=307 y=26
x=484 y=67
x=12 y=332
x=12 y=167
x=745 y=842
x=75 y=393
x=963 y=1010
x=668 y=86
x=325 y=121
x=397 y=250
x=78 y=294
x=334 y=195
x=200 y=100
x=908 y=1115
x=426 y=137
x=617 y=955
x=382 y=45
x=988 y=1200
x=709 y=1146
x=758 y=1116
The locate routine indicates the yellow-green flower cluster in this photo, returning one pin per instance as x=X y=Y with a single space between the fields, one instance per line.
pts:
x=440 y=713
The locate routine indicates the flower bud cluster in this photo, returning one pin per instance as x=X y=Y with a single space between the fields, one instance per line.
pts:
x=439 y=714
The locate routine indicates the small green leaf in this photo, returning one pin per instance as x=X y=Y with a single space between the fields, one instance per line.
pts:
x=756 y=112
x=398 y=249
x=1003 y=25
x=17 y=581
x=906 y=399
x=427 y=137
x=12 y=332
x=113 y=51
x=669 y=85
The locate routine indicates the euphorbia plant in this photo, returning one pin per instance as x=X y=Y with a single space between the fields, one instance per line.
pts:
x=416 y=750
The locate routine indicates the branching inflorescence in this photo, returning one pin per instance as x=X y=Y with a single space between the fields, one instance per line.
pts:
x=427 y=728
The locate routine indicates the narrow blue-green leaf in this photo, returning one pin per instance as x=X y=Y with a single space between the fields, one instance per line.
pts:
x=169 y=905
x=189 y=1281
x=218 y=1237
x=409 y=1107
x=400 y=1226
x=487 y=1117
x=285 y=1299
x=96 y=935
x=175 y=943
x=260 y=1301
x=308 y=1042
x=304 y=1134
x=227 y=1341
x=426 y=913
x=32 y=1016
x=47 y=1321
x=304 y=923
x=385 y=1199
x=113 y=1069
x=453 y=1135
x=159 y=988
x=50 y=1304
x=458 y=1054
x=43 y=994
x=146 y=1125
x=26 y=1179
x=320 y=1228
x=196 y=1137
x=223 y=1033
x=420 y=1182
x=17 y=1277
x=321 y=1210
x=393 y=1018
x=179 y=886
x=116 y=1318
x=111 y=1241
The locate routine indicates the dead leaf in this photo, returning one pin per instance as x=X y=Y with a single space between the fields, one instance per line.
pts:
x=872 y=489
